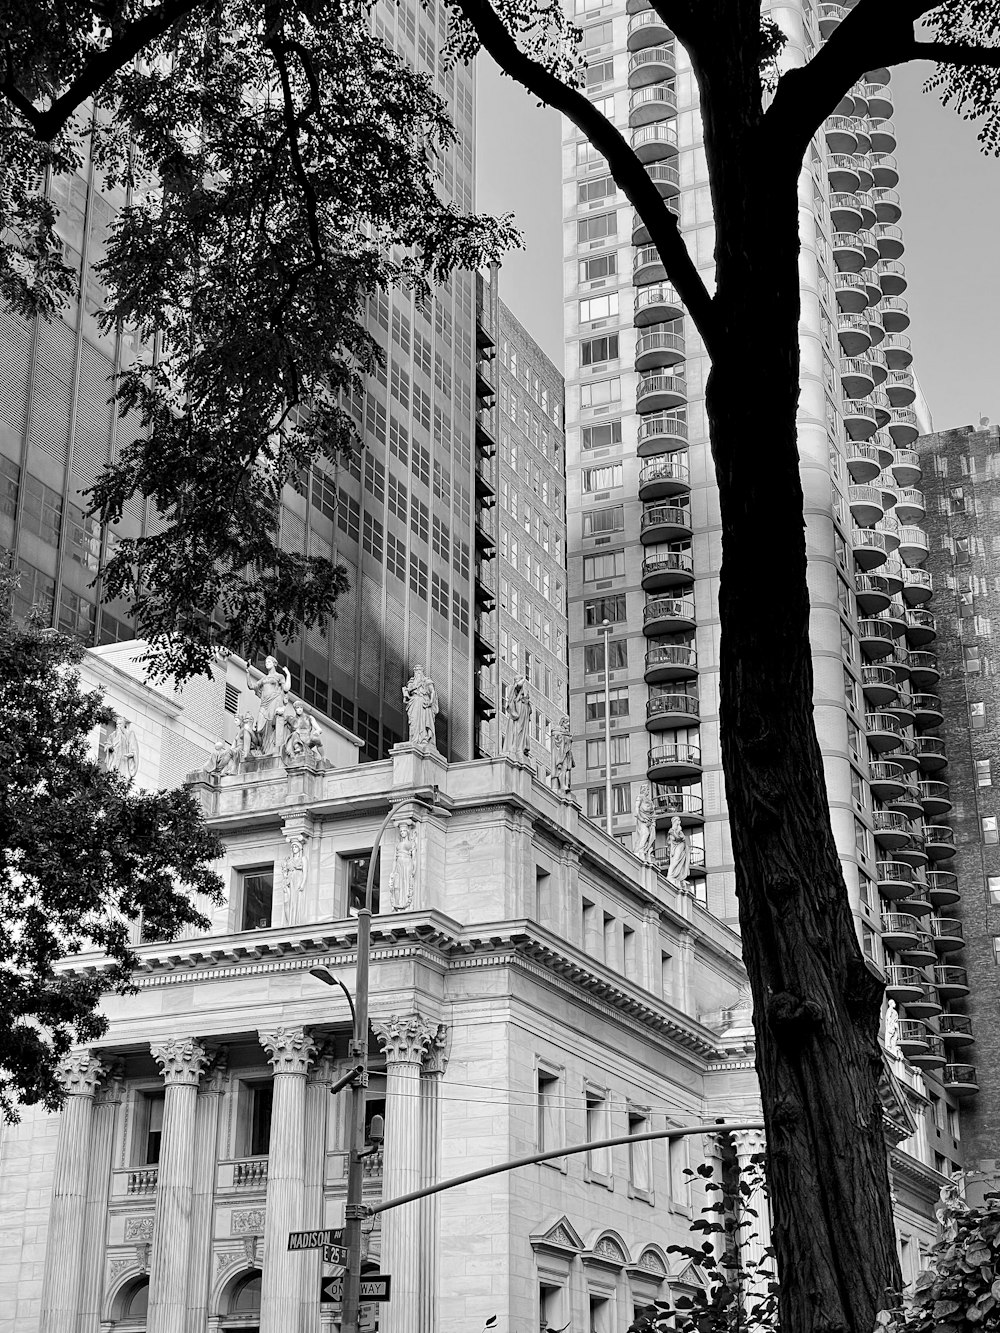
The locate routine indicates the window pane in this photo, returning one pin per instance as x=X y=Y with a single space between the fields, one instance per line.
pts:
x=258 y=892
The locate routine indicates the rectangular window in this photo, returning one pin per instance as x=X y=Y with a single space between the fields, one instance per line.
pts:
x=440 y=595
x=372 y=541
x=993 y=889
x=599 y=307
x=602 y=478
x=601 y=393
x=621 y=799
x=977 y=716
x=149 y=1126
x=996 y=950
x=989 y=826
x=600 y=187
x=398 y=498
x=607 y=565
x=260 y=1098
x=598 y=610
x=418 y=576
x=598 y=1159
x=983 y=775
x=639 y=1173
x=324 y=494
x=601 y=266
x=349 y=517
x=597 y=228
x=356 y=879
x=374 y=477
x=549 y=1117
x=593 y=351
x=598 y=34
x=42 y=510
x=620 y=751
x=256 y=896
x=593 y=656
x=603 y=435
x=395 y=557
x=420 y=519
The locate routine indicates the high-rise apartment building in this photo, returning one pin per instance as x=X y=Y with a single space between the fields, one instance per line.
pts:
x=962 y=483
x=531 y=565
x=644 y=533
x=402 y=518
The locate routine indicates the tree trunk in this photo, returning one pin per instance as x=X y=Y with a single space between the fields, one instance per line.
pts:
x=816 y=1004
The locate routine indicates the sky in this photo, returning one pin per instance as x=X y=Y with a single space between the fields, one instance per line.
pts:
x=949 y=193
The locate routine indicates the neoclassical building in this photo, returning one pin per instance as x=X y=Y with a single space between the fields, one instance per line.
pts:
x=532 y=986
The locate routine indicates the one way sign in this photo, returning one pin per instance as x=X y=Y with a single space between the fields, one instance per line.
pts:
x=375 y=1287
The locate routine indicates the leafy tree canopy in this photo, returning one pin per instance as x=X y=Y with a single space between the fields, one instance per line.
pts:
x=82 y=855
x=282 y=165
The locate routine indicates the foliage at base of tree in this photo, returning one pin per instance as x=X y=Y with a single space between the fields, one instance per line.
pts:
x=83 y=855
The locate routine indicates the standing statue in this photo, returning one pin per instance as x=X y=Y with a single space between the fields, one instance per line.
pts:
x=222 y=761
x=404 y=867
x=421 y=702
x=293 y=882
x=246 y=738
x=304 y=737
x=644 y=833
x=272 y=688
x=679 y=858
x=122 y=750
x=891 y=1038
x=515 y=741
x=562 y=756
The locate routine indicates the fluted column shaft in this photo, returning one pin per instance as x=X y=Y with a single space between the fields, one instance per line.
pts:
x=405 y=1041
x=181 y=1061
x=290 y=1051
x=80 y=1075
x=106 y=1103
x=317 y=1105
x=756 y=1237
x=430 y=1259
x=206 y=1152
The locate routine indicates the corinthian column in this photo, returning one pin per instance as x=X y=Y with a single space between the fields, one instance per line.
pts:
x=181 y=1061
x=206 y=1152
x=434 y=1066
x=756 y=1236
x=404 y=1040
x=79 y=1075
x=290 y=1051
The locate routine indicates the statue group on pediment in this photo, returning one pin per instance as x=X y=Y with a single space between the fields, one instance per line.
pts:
x=284 y=728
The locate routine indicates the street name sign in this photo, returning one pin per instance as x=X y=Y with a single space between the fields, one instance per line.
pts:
x=375 y=1287
x=315 y=1240
x=335 y=1254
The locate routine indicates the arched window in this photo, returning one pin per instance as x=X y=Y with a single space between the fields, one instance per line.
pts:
x=245 y=1299
x=134 y=1302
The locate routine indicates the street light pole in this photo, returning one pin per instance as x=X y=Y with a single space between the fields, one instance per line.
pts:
x=606 y=631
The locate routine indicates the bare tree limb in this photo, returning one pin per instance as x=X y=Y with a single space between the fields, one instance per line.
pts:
x=953 y=53
x=123 y=47
x=628 y=172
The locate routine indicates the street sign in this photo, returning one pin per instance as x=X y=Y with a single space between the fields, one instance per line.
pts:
x=335 y=1254
x=315 y=1240
x=374 y=1287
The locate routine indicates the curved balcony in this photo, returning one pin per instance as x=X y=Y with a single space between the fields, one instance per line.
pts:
x=664 y=476
x=905 y=463
x=877 y=639
x=863 y=462
x=917 y=904
x=955 y=1030
x=885 y=173
x=667 y=711
x=894 y=878
x=658 y=347
x=870 y=248
x=867 y=206
x=882 y=139
x=952 y=982
x=878 y=683
x=660 y=393
x=942 y=888
x=903 y=983
x=901 y=392
x=854 y=334
x=935 y=797
x=647 y=266
x=670 y=661
x=898 y=352
x=667 y=179
x=848 y=251
x=947 y=933
x=655 y=143
x=927 y=1004
x=658 y=304
x=886 y=204
x=664 y=523
x=921 y=627
x=647 y=29
x=870 y=279
x=933 y=1057
x=870 y=549
x=924 y=671
x=910 y=506
x=918 y=585
x=652 y=64
x=878 y=99
x=887 y=779
x=895 y=314
x=687 y=806
x=912 y=1037
x=939 y=841
x=880 y=404
x=842 y=173
x=907 y=803
x=891 y=276
x=860 y=419
x=884 y=731
x=875 y=357
x=930 y=753
x=851 y=291
x=892 y=830
x=903 y=425
x=667 y=615
x=899 y=930
x=920 y=953
x=872 y=593
x=866 y=504
x=830 y=17
x=876 y=331
x=656 y=102
x=913 y=545
x=845 y=211
x=927 y=709
x=668 y=569
x=665 y=763
x=960 y=1079
x=842 y=134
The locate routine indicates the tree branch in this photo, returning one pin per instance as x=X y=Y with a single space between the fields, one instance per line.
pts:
x=123 y=47
x=628 y=172
x=952 y=53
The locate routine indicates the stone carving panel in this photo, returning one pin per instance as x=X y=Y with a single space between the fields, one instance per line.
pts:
x=246 y=1222
x=138 y=1228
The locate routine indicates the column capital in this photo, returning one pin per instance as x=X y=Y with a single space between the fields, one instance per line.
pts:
x=216 y=1070
x=181 y=1059
x=749 y=1142
x=79 y=1073
x=404 y=1038
x=289 y=1050
x=436 y=1058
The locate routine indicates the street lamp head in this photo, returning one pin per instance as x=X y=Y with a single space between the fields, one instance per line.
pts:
x=325 y=975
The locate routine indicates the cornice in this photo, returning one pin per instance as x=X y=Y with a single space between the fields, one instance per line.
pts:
x=931 y=1182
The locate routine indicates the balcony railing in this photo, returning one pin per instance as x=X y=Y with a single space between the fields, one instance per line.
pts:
x=680 y=562
x=251 y=1173
x=678 y=756
x=142 y=1180
x=666 y=704
x=672 y=654
x=960 y=1078
x=667 y=468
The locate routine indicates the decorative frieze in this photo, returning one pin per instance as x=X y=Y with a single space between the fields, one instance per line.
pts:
x=246 y=1221
x=181 y=1059
x=289 y=1050
x=138 y=1228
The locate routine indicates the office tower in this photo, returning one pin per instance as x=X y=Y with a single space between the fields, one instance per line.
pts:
x=644 y=536
x=962 y=483
x=527 y=422
x=401 y=518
